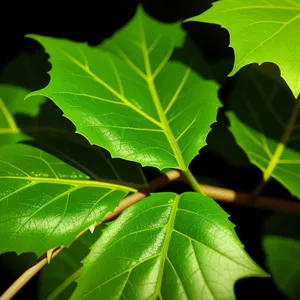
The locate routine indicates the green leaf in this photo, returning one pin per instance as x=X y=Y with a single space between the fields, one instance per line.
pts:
x=64 y=266
x=221 y=142
x=134 y=95
x=282 y=248
x=261 y=31
x=266 y=127
x=166 y=247
x=19 y=119
x=45 y=202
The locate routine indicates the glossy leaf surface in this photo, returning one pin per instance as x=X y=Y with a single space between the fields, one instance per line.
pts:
x=45 y=202
x=264 y=119
x=261 y=31
x=282 y=250
x=166 y=247
x=136 y=95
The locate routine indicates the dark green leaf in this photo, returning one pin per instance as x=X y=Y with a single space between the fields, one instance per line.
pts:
x=221 y=142
x=19 y=119
x=264 y=119
x=136 y=95
x=281 y=243
x=167 y=247
x=64 y=266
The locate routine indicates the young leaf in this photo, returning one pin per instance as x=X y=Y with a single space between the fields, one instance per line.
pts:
x=282 y=248
x=141 y=102
x=166 y=247
x=44 y=202
x=261 y=31
x=264 y=119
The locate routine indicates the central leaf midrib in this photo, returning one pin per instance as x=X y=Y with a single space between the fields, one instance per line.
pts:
x=283 y=141
x=163 y=119
x=7 y=115
x=121 y=97
x=82 y=183
x=166 y=245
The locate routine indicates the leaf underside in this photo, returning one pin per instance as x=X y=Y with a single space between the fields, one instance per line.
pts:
x=261 y=31
x=166 y=247
x=134 y=95
x=265 y=122
x=44 y=202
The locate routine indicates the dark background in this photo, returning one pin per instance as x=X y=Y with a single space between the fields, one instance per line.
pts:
x=94 y=21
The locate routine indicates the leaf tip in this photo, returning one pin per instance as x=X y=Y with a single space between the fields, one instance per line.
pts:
x=92 y=228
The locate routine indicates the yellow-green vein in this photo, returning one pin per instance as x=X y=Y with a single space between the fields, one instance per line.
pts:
x=166 y=244
x=163 y=119
x=111 y=89
x=73 y=182
x=9 y=118
x=179 y=89
x=283 y=141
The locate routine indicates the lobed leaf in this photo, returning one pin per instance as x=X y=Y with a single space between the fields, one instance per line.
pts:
x=261 y=31
x=166 y=247
x=45 y=202
x=266 y=127
x=137 y=95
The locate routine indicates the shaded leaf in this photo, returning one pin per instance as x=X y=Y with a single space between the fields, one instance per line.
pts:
x=282 y=248
x=19 y=119
x=167 y=247
x=221 y=142
x=261 y=31
x=44 y=202
x=264 y=119
x=64 y=266
x=135 y=95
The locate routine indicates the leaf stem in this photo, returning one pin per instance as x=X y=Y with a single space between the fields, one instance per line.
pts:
x=64 y=284
x=192 y=181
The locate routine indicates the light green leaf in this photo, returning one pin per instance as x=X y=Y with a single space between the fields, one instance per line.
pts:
x=264 y=119
x=55 y=276
x=44 y=202
x=134 y=95
x=261 y=31
x=166 y=247
x=282 y=249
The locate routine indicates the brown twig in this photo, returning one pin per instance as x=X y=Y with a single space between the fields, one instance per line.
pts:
x=219 y=194
x=240 y=198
